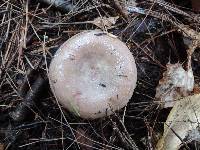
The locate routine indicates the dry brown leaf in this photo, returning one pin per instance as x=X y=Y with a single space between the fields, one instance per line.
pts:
x=175 y=84
x=182 y=124
x=103 y=22
x=196 y=89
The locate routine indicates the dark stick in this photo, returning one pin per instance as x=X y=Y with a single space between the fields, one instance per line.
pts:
x=27 y=81
x=24 y=108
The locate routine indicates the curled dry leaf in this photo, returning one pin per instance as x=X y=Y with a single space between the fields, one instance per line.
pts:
x=103 y=22
x=176 y=83
x=182 y=124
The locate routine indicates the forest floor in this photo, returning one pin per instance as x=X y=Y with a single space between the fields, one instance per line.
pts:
x=32 y=31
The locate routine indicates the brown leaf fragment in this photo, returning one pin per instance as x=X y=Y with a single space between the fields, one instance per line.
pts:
x=103 y=22
x=196 y=89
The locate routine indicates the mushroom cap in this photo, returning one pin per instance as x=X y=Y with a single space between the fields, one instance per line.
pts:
x=93 y=74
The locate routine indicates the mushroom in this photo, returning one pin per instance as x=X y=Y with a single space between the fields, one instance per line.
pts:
x=93 y=74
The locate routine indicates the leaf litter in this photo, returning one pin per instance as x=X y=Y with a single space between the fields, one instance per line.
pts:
x=178 y=79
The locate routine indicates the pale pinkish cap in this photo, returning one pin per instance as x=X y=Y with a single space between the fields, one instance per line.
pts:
x=93 y=74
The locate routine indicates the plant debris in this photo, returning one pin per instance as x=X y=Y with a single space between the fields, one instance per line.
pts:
x=23 y=110
x=81 y=136
x=176 y=83
x=182 y=125
x=63 y=5
x=155 y=31
x=105 y=23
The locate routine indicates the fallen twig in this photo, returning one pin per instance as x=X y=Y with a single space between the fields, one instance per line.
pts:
x=24 y=108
